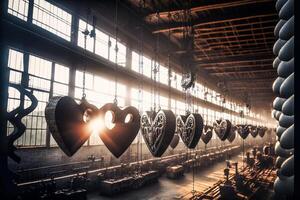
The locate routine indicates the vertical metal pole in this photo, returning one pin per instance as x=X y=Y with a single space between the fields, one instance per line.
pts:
x=30 y=11
x=243 y=152
x=74 y=27
x=7 y=188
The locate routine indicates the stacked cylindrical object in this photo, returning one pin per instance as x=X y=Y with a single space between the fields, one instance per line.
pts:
x=283 y=104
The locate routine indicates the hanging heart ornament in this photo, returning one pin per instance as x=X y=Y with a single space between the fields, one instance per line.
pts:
x=222 y=128
x=243 y=130
x=190 y=129
x=123 y=128
x=158 y=130
x=262 y=130
x=232 y=134
x=207 y=134
x=174 y=141
x=254 y=131
x=68 y=122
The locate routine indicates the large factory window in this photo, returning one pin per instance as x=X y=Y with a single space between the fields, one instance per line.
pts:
x=101 y=47
x=135 y=62
x=40 y=73
x=52 y=18
x=121 y=59
x=61 y=80
x=89 y=40
x=144 y=102
x=15 y=64
x=178 y=107
x=39 y=80
x=163 y=75
x=175 y=80
x=18 y=8
x=147 y=66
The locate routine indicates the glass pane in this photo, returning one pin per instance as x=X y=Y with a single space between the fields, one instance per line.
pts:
x=52 y=18
x=18 y=8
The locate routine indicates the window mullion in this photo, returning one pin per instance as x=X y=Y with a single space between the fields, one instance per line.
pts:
x=50 y=95
x=30 y=11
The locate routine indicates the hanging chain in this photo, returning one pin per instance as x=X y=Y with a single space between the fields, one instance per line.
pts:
x=169 y=57
x=85 y=33
x=155 y=69
x=116 y=54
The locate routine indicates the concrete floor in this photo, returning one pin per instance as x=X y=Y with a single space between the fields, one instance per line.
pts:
x=174 y=189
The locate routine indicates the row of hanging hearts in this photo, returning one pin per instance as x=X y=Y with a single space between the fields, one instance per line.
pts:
x=70 y=125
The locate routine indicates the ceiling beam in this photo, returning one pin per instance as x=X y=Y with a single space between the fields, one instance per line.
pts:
x=249 y=57
x=237 y=59
x=232 y=53
x=219 y=51
x=236 y=66
x=251 y=79
x=221 y=28
x=249 y=88
x=210 y=33
x=236 y=41
x=154 y=17
x=212 y=20
x=209 y=37
x=243 y=72
x=238 y=45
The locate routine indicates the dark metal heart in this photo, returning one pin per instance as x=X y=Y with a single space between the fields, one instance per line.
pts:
x=262 y=131
x=190 y=129
x=243 y=131
x=254 y=131
x=232 y=134
x=158 y=130
x=207 y=134
x=65 y=119
x=174 y=141
x=119 y=138
x=222 y=128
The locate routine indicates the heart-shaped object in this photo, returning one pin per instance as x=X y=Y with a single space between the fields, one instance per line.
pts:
x=262 y=131
x=207 y=134
x=174 y=141
x=232 y=134
x=254 y=131
x=68 y=122
x=126 y=125
x=222 y=128
x=243 y=130
x=158 y=130
x=190 y=129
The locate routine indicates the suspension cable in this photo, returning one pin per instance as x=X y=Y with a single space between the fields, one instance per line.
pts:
x=85 y=33
x=116 y=53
